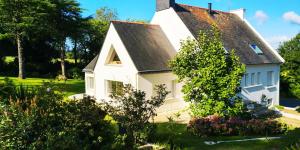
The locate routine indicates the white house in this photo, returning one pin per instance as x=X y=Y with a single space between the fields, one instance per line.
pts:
x=138 y=54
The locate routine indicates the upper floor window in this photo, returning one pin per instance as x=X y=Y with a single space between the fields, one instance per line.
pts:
x=246 y=78
x=270 y=78
x=256 y=49
x=258 y=78
x=114 y=59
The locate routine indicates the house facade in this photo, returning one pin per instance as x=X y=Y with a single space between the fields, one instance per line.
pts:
x=138 y=53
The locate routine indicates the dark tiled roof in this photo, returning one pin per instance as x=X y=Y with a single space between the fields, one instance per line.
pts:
x=91 y=66
x=147 y=45
x=236 y=34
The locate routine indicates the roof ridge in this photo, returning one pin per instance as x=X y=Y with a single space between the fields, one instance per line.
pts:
x=130 y=22
x=203 y=8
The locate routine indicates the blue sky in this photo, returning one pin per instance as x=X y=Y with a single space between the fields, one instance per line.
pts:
x=276 y=20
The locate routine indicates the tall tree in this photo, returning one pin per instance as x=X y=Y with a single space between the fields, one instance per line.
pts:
x=290 y=71
x=63 y=22
x=211 y=77
x=18 y=17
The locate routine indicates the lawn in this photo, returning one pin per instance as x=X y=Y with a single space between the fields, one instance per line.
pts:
x=191 y=142
x=70 y=87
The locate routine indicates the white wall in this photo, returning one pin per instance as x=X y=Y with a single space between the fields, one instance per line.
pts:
x=125 y=72
x=255 y=92
x=173 y=27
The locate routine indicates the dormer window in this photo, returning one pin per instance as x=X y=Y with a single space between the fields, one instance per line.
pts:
x=256 y=49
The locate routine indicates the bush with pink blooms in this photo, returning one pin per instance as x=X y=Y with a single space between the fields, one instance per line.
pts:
x=220 y=126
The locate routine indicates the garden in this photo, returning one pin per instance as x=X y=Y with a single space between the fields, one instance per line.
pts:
x=36 y=114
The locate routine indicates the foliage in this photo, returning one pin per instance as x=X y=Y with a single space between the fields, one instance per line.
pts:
x=216 y=126
x=290 y=70
x=48 y=122
x=132 y=110
x=211 y=77
x=75 y=73
x=295 y=146
x=19 y=18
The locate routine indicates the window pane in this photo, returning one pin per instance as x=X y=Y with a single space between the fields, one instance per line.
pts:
x=258 y=78
x=270 y=76
x=246 y=79
x=252 y=78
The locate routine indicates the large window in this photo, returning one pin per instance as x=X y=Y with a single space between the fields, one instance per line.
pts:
x=90 y=83
x=270 y=78
x=114 y=87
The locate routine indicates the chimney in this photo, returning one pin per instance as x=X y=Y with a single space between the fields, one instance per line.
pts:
x=210 y=8
x=164 y=4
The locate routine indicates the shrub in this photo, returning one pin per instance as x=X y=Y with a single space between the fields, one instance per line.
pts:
x=133 y=111
x=216 y=126
x=46 y=121
x=75 y=73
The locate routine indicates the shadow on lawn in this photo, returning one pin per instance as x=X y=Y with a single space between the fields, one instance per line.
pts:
x=187 y=141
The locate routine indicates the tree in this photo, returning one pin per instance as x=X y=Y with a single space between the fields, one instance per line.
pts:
x=63 y=22
x=97 y=29
x=18 y=18
x=211 y=77
x=290 y=71
x=131 y=109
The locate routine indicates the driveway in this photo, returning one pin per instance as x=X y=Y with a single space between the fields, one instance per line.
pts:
x=289 y=102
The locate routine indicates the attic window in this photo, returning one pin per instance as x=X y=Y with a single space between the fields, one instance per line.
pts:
x=256 y=49
x=114 y=58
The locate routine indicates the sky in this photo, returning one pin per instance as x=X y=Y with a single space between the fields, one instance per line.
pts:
x=276 y=20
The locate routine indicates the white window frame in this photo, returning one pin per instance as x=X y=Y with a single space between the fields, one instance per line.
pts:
x=252 y=79
x=258 y=78
x=246 y=79
x=270 y=78
x=108 y=89
x=90 y=82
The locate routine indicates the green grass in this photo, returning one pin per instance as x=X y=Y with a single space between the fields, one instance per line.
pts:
x=70 y=87
x=191 y=142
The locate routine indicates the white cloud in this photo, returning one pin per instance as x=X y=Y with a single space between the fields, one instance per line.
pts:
x=292 y=17
x=275 y=41
x=261 y=16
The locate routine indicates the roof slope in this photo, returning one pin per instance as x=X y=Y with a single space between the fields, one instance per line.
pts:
x=147 y=45
x=91 y=66
x=236 y=34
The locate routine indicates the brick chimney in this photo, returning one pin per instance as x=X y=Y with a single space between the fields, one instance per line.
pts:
x=164 y=4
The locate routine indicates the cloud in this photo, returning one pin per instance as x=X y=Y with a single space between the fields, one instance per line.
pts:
x=261 y=16
x=292 y=17
x=275 y=41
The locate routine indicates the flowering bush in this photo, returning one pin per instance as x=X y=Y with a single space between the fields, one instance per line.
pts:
x=215 y=126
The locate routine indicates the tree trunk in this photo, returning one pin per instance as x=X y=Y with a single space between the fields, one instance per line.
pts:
x=62 y=60
x=20 y=57
x=75 y=52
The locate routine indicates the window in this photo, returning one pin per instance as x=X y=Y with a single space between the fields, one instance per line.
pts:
x=114 y=87
x=252 y=78
x=258 y=78
x=90 y=83
x=114 y=58
x=256 y=49
x=246 y=79
x=270 y=78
